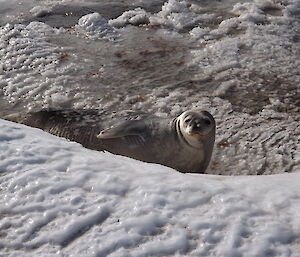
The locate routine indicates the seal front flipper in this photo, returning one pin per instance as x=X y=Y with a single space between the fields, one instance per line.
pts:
x=133 y=130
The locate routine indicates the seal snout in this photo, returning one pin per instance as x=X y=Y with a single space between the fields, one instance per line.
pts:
x=198 y=126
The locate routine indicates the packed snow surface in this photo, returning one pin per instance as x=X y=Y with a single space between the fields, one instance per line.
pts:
x=58 y=199
x=241 y=63
x=237 y=59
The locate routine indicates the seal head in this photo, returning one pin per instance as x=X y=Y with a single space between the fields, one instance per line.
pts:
x=194 y=127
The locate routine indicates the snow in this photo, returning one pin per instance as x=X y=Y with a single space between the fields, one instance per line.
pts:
x=96 y=27
x=62 y=199
x=30 y=64
x=134 y=17
x=237 y=59
x=174 y=14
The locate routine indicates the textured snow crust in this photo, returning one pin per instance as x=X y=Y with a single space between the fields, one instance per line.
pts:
x=244 y=70
x=57 y=199
x=241 y=62
x=31 y=67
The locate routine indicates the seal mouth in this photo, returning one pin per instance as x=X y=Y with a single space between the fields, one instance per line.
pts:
x=197 y=135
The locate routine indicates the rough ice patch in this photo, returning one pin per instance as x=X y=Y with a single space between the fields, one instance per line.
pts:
x=31 y=67
x=95 y=26
x=135 y=17
x=174 y=14
x=248 y=59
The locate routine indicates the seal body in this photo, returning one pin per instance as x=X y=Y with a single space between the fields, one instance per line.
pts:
x=184 y=143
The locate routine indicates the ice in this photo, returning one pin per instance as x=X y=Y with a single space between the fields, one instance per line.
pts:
x=174 y=14
x=237 y=59
x=98 y=204
x=30 y=64
x=135 y=17
x=13 y=11
x=39 y=11
x=96 y=27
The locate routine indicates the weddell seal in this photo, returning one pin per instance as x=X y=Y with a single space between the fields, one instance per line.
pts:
x=184 y=143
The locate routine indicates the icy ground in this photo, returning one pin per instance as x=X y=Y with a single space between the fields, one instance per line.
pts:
x=238 y=59
x=59 y=199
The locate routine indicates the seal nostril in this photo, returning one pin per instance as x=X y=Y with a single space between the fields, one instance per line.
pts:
x=196 y=126
x=207 y=122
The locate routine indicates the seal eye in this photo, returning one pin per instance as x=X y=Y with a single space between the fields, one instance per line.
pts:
x=187 y=120
x=207 y=122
